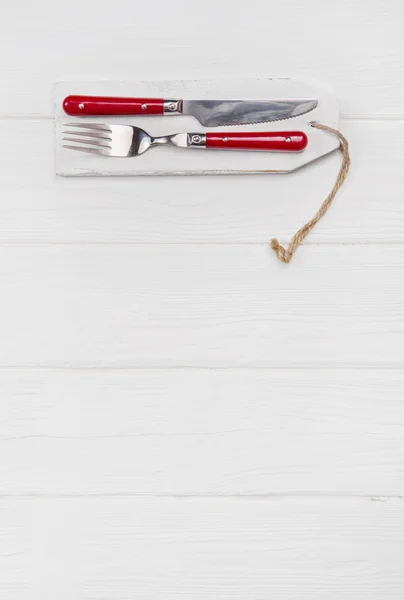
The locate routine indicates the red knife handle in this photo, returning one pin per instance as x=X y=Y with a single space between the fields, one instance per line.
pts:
x=104 y=105
x=280 y=141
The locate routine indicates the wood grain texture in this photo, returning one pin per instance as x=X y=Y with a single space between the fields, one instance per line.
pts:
x=228 y=432
x=119 y=549
x=357 y=50
x=179 y=305
x=37 y=208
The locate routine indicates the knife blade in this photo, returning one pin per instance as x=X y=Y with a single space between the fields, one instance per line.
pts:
x=210 y=113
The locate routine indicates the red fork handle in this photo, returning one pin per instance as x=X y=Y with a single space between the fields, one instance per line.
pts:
x=104 y=105
x=280 y=141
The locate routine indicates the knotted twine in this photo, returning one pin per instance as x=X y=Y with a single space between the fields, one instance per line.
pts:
x=285 y=254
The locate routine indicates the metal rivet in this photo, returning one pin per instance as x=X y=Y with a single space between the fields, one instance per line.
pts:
x=196 y=139
x=225 y=139
x=288 y=139
x=81 y=106
x=144 y=106
x=171 y=106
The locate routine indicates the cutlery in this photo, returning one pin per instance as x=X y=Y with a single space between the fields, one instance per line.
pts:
x=210 y=113
x=128 y=141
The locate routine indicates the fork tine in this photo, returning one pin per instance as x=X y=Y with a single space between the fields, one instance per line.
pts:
x=97 y=126
x=92 y=142
x=88 y=150
x=89 y=134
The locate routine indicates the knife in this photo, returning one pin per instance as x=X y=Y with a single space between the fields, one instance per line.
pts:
x=210 y=113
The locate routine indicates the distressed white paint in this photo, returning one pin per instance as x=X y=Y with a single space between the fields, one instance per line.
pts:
x=168 y=160
x=82 y=284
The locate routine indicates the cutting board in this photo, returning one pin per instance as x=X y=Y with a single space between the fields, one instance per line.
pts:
x=177 y=161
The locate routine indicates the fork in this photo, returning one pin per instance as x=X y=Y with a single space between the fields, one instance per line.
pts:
x=127 y=141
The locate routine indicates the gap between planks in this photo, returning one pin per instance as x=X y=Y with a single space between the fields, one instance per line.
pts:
x=380 y=368
x=208 y=497
x=26 y=244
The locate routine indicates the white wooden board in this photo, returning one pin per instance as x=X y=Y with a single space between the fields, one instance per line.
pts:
x=167 y=160
x=201 y=305
x=126 y=548
x=201 y=431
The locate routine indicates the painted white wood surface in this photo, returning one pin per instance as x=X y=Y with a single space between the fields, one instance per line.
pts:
x=205 y=432
x=184 y=305
x=124 y=548
x=101 y=278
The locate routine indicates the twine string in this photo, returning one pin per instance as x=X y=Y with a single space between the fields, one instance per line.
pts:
x=285 y=254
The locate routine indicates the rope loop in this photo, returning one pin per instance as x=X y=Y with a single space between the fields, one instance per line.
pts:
x=286 y=254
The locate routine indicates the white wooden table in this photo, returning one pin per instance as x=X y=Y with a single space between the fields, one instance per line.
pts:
x=181 y=415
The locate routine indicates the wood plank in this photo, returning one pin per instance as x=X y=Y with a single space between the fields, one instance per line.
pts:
x=37 y=208
x=126 y=548
x=155 y=41
x=196 y=305
x=181 y=432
